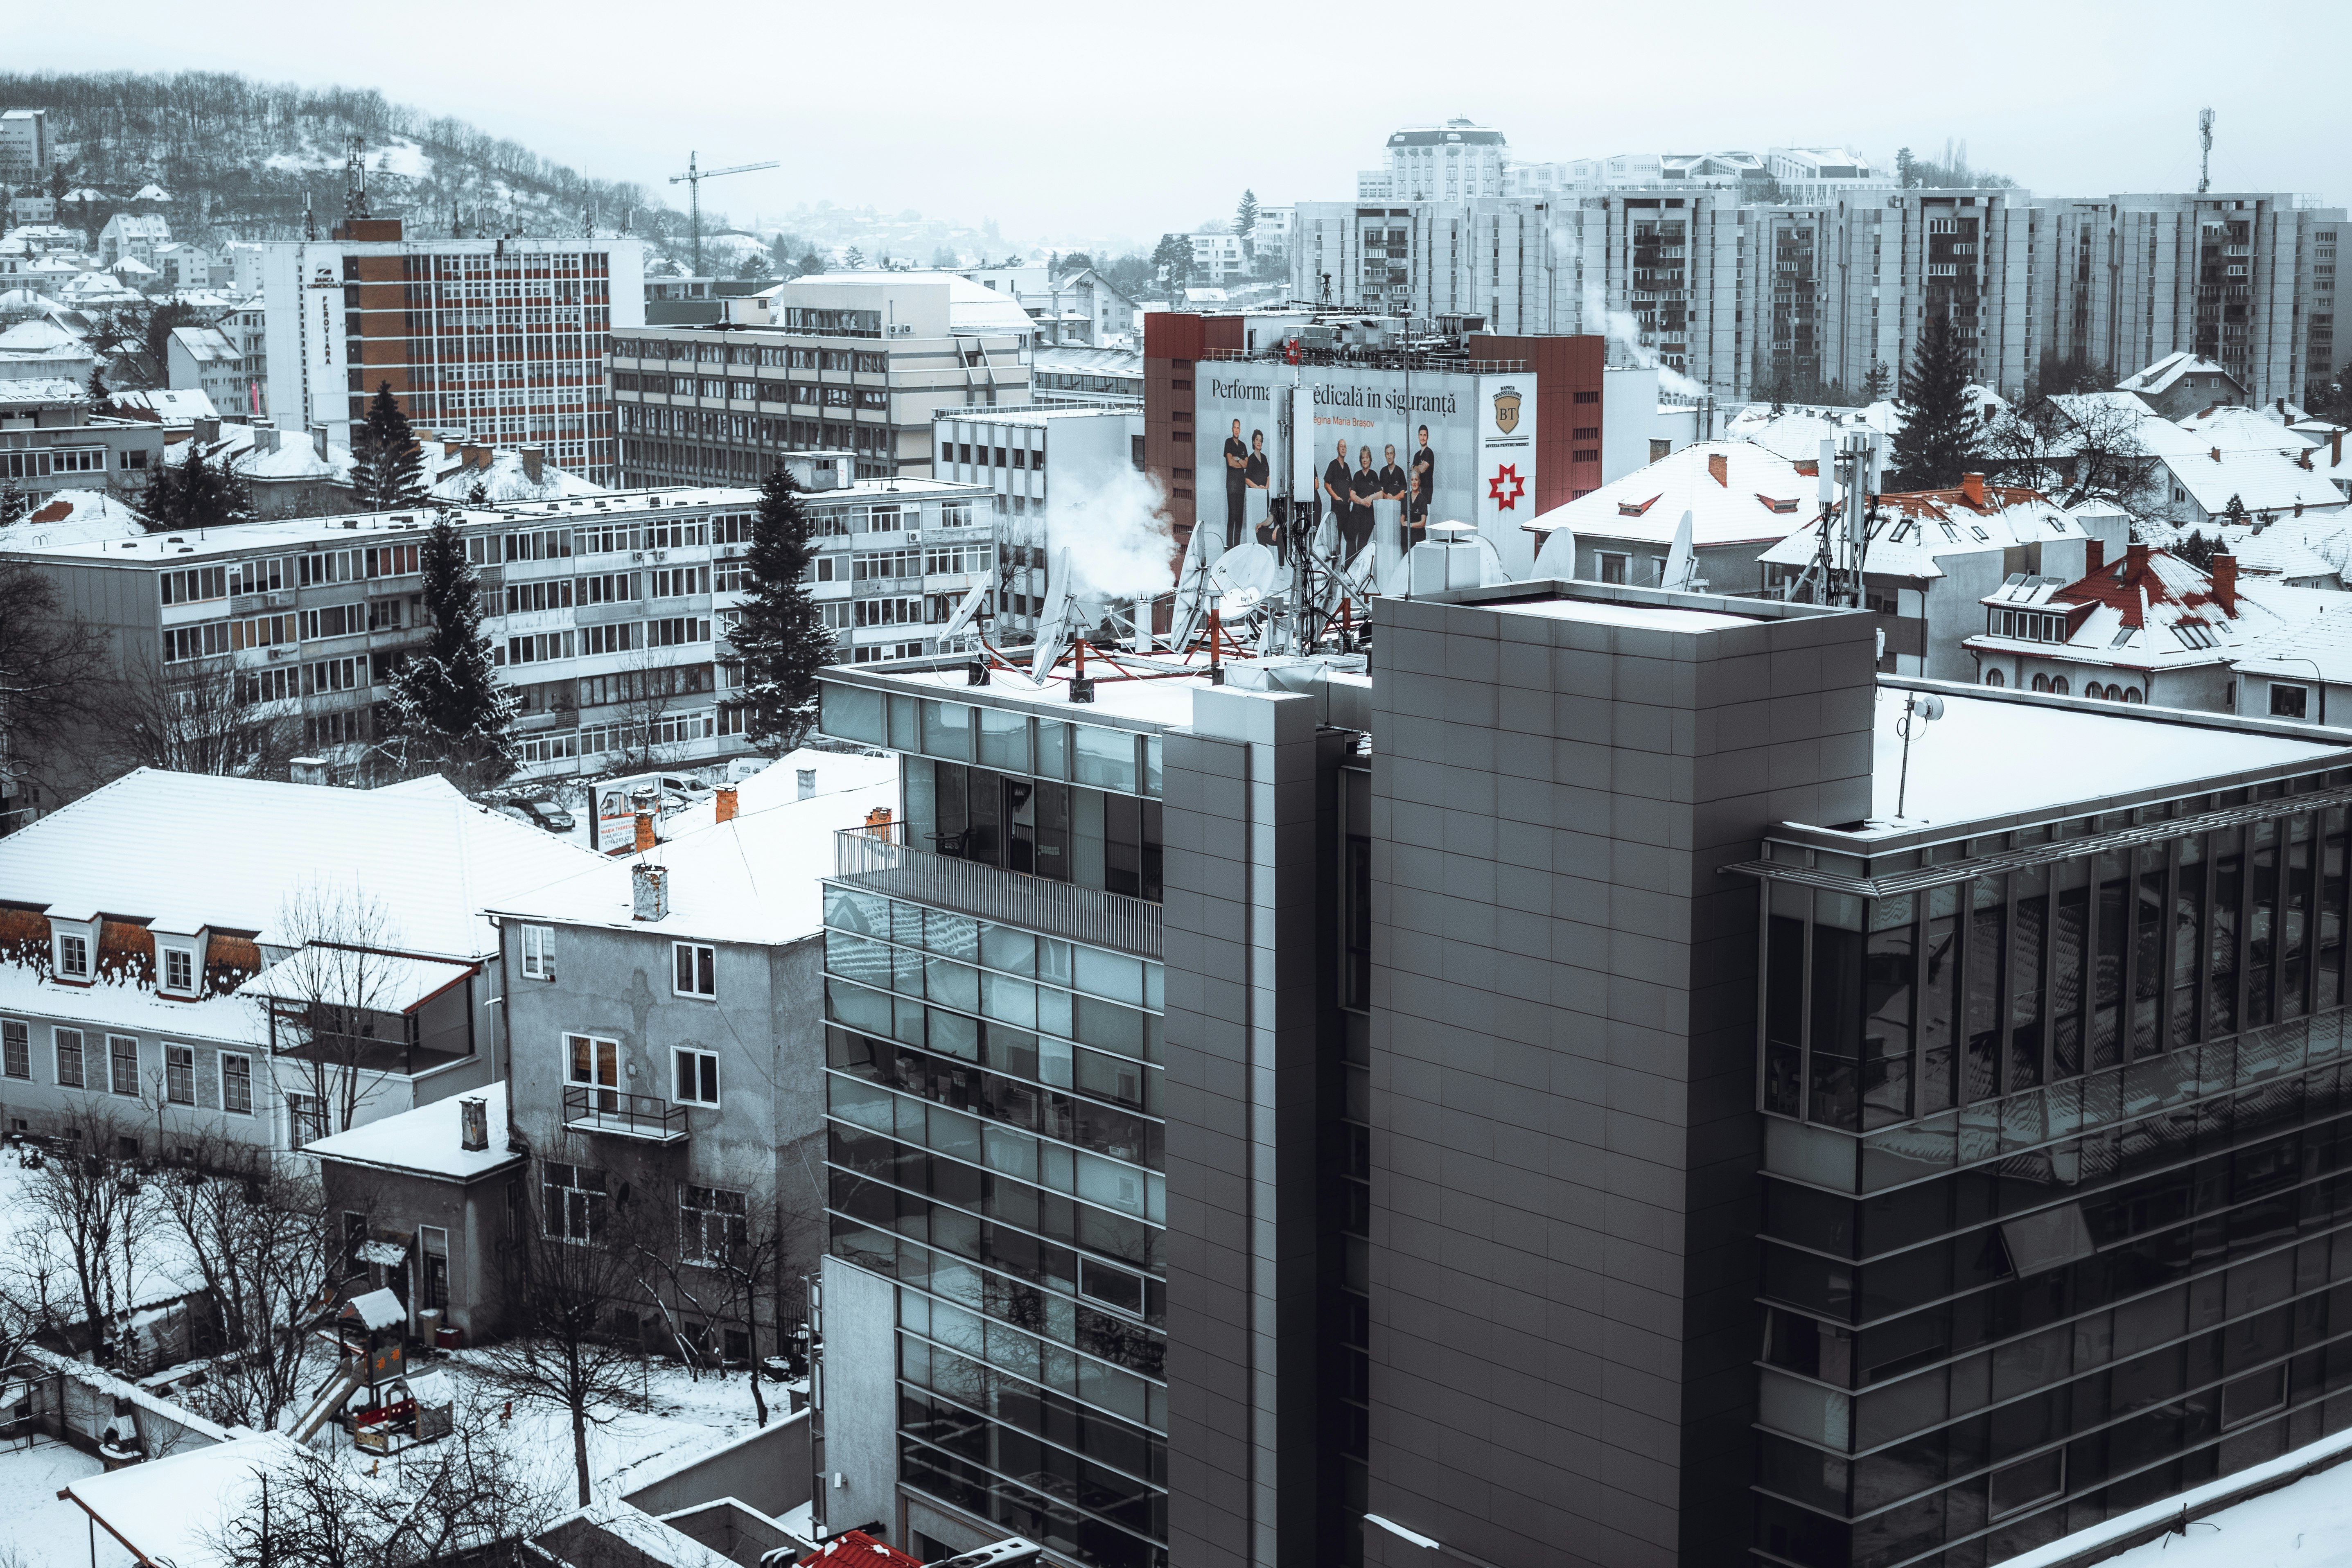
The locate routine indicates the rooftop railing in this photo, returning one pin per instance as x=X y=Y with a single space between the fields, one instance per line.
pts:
x=879 y=859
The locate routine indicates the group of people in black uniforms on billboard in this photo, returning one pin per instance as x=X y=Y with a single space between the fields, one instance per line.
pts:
x=1353 y=498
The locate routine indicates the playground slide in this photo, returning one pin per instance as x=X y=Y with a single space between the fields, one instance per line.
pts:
x=348 y=1379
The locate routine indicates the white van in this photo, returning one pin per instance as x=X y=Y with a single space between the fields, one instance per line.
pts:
x=616 y=812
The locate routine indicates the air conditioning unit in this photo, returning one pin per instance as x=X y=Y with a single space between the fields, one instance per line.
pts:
x=637 y=555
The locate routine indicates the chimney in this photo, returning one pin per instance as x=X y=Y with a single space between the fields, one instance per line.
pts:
x=307 y=770
x=644 y=839
x=807 y=783
x=2094 y=555
x=1720 y=467
x=648 y=888
x=207 y=431
x=533 y=460
x=1972 y=489
x=724 y=795
x=470 y=456
x=2134 y=558
x=2225 y=582
x=2217 y=454
x=473 y=1125
x=2335 y=448
x=2302 y=459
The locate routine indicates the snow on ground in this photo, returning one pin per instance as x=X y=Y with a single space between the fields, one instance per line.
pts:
x=164 y=1266
x=43 y=1532
x=685 y=1417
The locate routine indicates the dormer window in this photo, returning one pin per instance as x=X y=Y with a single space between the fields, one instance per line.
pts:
x=179 y=968
x=73 y=956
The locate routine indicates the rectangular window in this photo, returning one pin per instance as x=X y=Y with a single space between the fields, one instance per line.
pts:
x=69 y=1069
x=712 y=1225
x=697 y=1078
x=432 y=1245
x=122 y=1063
x=15 y=1048
x=179 y=1074
x=697 y=969
x=306 y=1119
x=179 y=968
x=237 y=1083
x=2288 y=701
x=597 y=1064
x=573 y=1197
x=537 y=952
x=73 y=956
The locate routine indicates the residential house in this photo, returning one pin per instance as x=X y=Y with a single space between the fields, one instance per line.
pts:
x=2150 y=627
x=206 y=359
x=2302 y=671
x=132 y=234
x=2181 y=383
x=2196 y=489
x=1934 y=554
x=1742 y=498
x=294 y=962
x=665 y=1029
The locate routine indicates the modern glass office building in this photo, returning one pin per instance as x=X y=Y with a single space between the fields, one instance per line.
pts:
x=2052 y=1221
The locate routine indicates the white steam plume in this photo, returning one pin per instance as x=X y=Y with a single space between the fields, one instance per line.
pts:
x=1116 y=532
x=1627 y=332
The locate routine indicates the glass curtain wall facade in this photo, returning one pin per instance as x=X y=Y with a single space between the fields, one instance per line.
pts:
x=2058 y=1199
x=996 y=1109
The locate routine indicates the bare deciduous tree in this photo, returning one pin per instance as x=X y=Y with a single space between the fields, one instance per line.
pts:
x=2077 y=451
x=331 y=1007
x=200 y=716
x=88 y=1215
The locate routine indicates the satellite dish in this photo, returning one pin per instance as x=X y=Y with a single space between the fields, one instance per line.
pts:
x=1053 y=631
x=1681 y=564
x=1191 y=606
x=968 y=608
x=1928 y=707
x=1246 y=576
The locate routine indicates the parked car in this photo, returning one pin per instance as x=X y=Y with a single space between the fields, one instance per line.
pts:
x=544 y=814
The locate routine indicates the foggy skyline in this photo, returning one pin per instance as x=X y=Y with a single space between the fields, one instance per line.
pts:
x=1124 y=128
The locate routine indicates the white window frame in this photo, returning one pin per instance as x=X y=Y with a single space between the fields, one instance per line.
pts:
x=226 y=1058
x=81 y=1057
x=693 y=1220
x=178 y=1059
x=187 y=956
x=112 y=1085
x=698 y=963
x=14 y=1048
x=537 y=952
x=690 y=1070
x=304 y=1112
x=75 y=946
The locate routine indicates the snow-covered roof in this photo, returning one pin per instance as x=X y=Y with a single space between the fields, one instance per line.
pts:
x=2324 y=641
x=139 y=226
x=2150 y=611
x=429 y=1141
x=2315 y=550
x=206 y=345
x=297 y=459
x=2233 y=427
x=39 y=333
x=1988 y=757
x=151 y=193
x=1736 y=508
x=72 y=517
x=778 y=784
x=2262 y=481
x=42 y=390
x=2168 y=370
x=504 y=479
x=384 y=983
x=2106 y=411
x=242 y=849
x=753 y=880
x=131 y=267
x=178 y=1509
x=1915 y=527
x=971 y=307
x=130 y=1007
x=171 y=405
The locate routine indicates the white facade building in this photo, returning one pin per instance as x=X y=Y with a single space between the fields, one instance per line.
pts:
x=1457 y=160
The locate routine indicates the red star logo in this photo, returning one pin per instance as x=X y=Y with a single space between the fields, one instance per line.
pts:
x=1505 y=488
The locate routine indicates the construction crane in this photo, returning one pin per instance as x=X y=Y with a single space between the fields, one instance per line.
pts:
x=693 y=179
x=2204 y=140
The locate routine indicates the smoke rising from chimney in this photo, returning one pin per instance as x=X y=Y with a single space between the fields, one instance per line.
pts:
x=1623 y=331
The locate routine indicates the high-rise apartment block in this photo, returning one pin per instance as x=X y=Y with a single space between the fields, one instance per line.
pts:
x=857 y=362
x=1738 y=295
x=1584 y=1091
x=24 y=149
x=504 y=339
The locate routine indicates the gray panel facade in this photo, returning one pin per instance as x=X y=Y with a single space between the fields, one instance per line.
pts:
x=1563 y=1050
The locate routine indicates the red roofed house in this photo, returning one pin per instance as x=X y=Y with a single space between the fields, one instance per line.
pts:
x=856 y=1549
x=2148 y=628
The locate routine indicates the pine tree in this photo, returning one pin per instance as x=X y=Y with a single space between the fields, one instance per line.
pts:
x=387 y=465
x=780 y=639
x=191 y=494
x=1937 y=440
x=2198 y=550
x=1245 y=220
x=1877 y=384
x=446 y=705
x=13 y=504
x=99 y=396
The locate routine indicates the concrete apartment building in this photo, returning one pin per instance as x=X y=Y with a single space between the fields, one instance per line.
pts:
x=311 y=960
x=1592 y=1130
x=505 y=339
x=1735 y=293
x=1086 y=464
x=847 y=361
x=49 y=441
x=26 y=150
x=1457 y=160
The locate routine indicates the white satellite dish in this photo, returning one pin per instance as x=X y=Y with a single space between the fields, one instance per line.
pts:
x=1680 y=561
x=966 y=610
x=1245 y=577
x=1052 y=633
x=1192 y=606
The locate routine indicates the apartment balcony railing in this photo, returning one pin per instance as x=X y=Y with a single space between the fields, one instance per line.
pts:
x=880 y=860
x=587 y=1109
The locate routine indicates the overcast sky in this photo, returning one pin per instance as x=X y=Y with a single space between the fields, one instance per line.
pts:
x=1123 y=120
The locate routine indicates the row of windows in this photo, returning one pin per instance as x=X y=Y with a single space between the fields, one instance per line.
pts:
x=74 y=1064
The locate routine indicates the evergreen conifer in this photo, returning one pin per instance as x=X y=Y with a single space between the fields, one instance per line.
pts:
x=1937 y=440
x=387 y=465
x=447 y=704
x=781 y=638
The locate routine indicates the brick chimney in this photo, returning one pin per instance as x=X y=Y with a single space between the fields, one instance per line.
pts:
x=2335 y=448
x=1972 y=489
x=2225 y=582
x=644 y=839
x=473 y=1125
x=470 y=456
x=2135 y=558
x=1720 y=467
x=2217 y=454
x=2094 y=555
x=808 y=782
x=648 y=890
x=724 y=796
x=534 y=458
x=2302 y=459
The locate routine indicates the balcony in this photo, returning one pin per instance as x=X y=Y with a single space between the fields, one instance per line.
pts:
x=880 y=860
x=643 y=1116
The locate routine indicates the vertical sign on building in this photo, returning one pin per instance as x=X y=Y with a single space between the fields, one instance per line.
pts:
x=1506 y=493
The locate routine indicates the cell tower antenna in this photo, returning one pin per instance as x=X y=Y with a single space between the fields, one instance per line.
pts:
x=2205 y=145
x=355 y=202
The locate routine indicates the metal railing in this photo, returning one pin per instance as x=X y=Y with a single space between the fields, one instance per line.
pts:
x=587 y=1109
x=879 y=859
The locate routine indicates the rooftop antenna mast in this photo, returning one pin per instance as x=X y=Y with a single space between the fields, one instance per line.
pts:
x=2205 y=156
x=693 y=177
x=355 y=202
